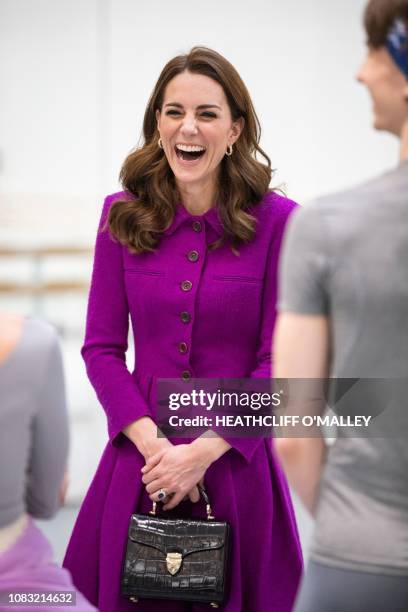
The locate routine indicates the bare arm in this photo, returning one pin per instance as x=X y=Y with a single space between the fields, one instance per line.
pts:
x=301 y=350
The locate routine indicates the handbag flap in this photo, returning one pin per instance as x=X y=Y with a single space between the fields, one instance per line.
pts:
x=185 y=536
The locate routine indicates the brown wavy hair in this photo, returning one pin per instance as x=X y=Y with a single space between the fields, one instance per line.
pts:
x=138 y=221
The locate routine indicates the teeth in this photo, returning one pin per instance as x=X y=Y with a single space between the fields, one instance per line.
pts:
x=190 y=148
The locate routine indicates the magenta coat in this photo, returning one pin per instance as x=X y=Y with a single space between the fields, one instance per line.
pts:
x=225 y=314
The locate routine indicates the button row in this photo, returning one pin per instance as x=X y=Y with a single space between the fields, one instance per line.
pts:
x=183 y=347
x=185 y=317
x=186 y=285
x=193 y=256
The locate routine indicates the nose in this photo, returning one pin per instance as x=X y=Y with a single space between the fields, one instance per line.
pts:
x=361 y=73
x=189 y=125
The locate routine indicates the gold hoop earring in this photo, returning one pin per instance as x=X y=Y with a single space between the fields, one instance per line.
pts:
x=229 y=151
x=160 y=143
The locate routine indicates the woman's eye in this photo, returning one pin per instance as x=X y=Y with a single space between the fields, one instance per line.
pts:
x=176 y=113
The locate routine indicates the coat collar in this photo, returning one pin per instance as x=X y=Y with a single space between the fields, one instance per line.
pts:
x=183 y=216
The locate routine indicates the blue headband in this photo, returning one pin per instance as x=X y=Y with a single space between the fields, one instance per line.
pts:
x=397 y=44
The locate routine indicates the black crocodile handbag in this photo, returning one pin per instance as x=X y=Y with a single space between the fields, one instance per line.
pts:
x=176 y=559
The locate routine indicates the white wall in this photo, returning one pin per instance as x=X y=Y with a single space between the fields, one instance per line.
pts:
x=75 y=76
x=298 y=60
x=49 y=95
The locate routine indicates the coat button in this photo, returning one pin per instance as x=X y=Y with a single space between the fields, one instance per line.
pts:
x=197 y=226
x=183 y=348
x=193 y=256
x=186 y=375
x=186 y=285
x=185 y=317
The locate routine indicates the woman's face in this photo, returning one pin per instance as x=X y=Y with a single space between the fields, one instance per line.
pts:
x=196 y=128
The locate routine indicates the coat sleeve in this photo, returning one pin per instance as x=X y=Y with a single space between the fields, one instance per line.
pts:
x=264 y=367
x=106 y=337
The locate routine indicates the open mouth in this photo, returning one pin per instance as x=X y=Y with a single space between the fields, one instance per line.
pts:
x=189 y=152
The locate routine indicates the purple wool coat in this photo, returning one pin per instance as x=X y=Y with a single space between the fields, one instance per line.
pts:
x=225 y=314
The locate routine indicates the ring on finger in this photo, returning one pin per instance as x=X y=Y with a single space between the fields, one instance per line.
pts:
x=161 y=494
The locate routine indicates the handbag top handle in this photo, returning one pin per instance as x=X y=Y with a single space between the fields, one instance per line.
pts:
x=204 y=495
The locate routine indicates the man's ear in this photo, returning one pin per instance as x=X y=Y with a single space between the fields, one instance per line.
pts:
x=405 y=91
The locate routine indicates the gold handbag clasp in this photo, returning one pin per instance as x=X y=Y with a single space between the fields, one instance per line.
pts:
x=173 y=562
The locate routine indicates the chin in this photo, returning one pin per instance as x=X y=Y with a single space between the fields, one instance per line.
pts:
x=384 y=123
x=378 y=124
x=186 y=178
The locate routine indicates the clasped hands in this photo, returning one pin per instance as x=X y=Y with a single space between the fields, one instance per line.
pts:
x=176 y=470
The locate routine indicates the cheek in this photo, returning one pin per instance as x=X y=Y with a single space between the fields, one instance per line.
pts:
x=386 y=93
x=165 y=128
x=168 y=126
x=216 y=136
x=217 y=154
x=378 y=92
x=219 y=146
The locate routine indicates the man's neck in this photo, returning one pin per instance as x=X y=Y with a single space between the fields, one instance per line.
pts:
x=404 y=142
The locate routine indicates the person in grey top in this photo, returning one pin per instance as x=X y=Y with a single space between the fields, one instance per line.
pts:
x=33 y=421
x=33 y=460
x=344 y=313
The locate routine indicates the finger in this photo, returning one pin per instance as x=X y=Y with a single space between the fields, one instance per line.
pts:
x=194 y=495
x=154 y=474
x=155 y=497
x=155 y=486
x=153 y=461
x=176 y=499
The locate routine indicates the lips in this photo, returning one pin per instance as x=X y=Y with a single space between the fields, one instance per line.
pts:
x=189 y=152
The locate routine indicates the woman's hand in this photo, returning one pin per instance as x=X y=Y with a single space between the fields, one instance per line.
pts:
x=177 y=470
x=144 y=435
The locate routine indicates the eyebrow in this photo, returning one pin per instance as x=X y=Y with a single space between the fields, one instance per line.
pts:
x=200 y=107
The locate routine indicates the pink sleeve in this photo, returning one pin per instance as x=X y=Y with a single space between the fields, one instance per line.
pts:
x=105 y=345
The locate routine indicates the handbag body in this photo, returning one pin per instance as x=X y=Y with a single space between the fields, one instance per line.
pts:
x=176 y=559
